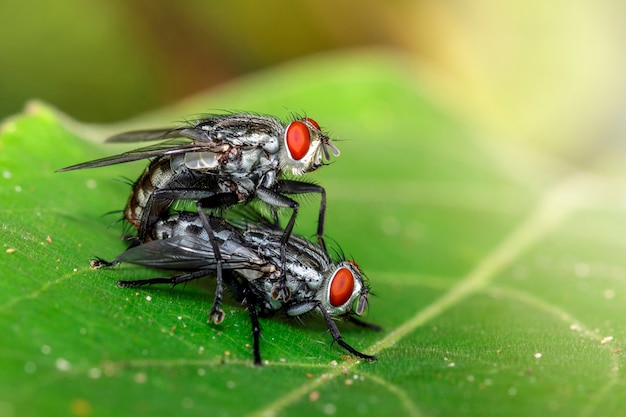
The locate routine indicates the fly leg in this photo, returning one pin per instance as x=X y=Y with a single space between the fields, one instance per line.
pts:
x=98 y=263
x=298 y=187
x=364 y=324
x=334 y=331
x=173 y=280
x=216 y=315
x=280 y=289
x=256 y=326
x=242 y=292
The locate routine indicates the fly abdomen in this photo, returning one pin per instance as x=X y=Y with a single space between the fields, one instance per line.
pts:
x=158 y=175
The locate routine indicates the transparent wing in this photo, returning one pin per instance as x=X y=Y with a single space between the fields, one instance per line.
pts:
x=186 y=252
x=145 y=135
x=169 y=147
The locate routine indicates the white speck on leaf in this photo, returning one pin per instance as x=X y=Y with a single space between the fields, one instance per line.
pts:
x=63 y=364
x=606 y=340
x=329 y=409
x=30 y=367
x=94 y=373
x=140 y=377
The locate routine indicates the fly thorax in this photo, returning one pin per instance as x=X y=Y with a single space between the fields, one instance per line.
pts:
x=263 y=287
x=247 y=161
x=241 y=185
x=303 y=275
x=269 y=143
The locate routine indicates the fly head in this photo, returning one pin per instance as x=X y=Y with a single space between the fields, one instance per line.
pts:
x=345 y=291
x=305 y=147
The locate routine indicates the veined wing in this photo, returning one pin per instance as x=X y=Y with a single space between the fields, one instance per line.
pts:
x=168 y=147
x=145 y=135
x=185 y=252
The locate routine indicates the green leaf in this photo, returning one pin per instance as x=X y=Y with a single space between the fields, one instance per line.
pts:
x=498 y=273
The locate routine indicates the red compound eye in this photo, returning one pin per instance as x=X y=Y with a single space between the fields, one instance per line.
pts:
x=298 y=139
x=313 y=122
x=341 y=287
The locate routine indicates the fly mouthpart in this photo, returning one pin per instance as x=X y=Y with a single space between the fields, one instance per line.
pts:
x=326 y=144
x=362 y=304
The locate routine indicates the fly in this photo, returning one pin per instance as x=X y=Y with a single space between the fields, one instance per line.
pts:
x=220 y=161
x=251 y=266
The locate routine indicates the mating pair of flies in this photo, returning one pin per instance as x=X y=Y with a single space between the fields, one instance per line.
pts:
x=228 y=160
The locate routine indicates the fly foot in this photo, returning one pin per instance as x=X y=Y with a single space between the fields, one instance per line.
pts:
x=216 y=315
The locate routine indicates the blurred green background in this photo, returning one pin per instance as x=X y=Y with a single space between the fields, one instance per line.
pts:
x=547 y=73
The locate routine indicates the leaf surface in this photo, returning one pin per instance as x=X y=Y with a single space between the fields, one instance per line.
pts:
x=498 y=273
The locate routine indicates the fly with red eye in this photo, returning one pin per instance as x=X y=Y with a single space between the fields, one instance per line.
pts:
x=222 y=161
x=250 y=248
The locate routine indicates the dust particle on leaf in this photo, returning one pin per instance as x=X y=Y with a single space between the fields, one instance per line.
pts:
x=187 y=403
x=63 y=364
x=10 y=250
x=314 y=396
x=80 y=407
x=30 y=367
x=140 y=377
x=94 y=373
